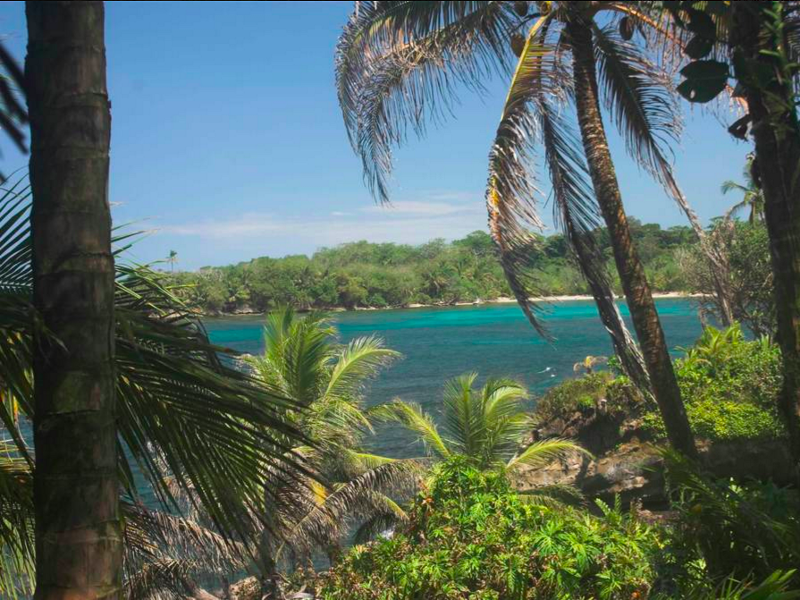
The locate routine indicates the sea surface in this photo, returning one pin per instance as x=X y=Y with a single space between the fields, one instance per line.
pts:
x=492 y=340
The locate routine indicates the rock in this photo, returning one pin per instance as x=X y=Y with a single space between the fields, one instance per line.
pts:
x=597 y=429
x=634 y=471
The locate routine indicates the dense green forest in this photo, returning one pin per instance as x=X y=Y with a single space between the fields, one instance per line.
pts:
x=363 y=274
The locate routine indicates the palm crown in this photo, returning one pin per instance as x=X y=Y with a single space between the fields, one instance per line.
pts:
x=304 y=361
x=488 y=426
x=401 y=63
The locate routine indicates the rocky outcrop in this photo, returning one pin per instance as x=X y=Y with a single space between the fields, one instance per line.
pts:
x=627 y=461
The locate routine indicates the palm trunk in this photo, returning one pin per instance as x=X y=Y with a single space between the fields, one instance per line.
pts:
x=76 y=492
x=777 y=141
x=631 y=272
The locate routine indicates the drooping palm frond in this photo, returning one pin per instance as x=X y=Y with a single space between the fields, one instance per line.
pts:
x=578 y=214
x=534 y=114
x=541 y=453
x=512 y=193
x=411 y=416
x=184 y=413
x=13 y=115
x=553 y=496
x=165 y=554
x=399 y=64
x=326 y=517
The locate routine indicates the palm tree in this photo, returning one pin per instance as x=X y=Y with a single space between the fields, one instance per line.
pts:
x=76 y=482
x=752 y=195
x=488 y=426
x=189 y=421
x=397 y=60
x=304 y=361
x=756 y=43
x=172 y=259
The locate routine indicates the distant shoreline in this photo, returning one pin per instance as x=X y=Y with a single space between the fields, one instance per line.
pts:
x=496 y=301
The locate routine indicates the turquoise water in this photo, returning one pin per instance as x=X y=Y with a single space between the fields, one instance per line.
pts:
x=493 y=340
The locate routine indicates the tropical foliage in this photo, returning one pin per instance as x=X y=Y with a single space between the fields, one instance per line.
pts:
x=746 y=248
x=470 y=535
x=488 y=427
x=361 y=274
x=742 y=530
x=304 y=361
x=731 y=386
x=177 y=397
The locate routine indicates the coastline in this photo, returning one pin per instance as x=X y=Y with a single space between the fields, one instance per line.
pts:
x=496 y=301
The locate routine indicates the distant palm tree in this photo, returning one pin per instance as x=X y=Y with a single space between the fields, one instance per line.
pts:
x=400 y=62
x=304 y=361
x=752 y=195
x=172 y=259
x=488 y=426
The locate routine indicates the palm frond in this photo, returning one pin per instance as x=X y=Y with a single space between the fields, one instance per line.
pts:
x=511 y=194
x=544 y=452
x=578 y=215
x=216 y=428
x=355 y=364
x=160 y=578
x=401 y=63
x=358 y=499
x=17 y=552
x=411 y=416
x=463 y=415
x=150 y=534
x=642 y=100
x=378 y=525
x=13 y=115
x=553 y=496
x=502 y=398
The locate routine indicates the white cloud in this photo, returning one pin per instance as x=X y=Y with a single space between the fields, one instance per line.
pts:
x=409 y=222
x=418 y=208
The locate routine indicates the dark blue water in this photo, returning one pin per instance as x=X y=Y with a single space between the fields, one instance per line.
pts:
x=496 y=340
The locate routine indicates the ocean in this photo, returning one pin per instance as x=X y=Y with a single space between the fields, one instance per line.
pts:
x=491 y=340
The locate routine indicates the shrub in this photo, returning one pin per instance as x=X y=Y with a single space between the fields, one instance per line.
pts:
x=471 y=536
x=730 y=387
x=573 y=395
x=744 y=531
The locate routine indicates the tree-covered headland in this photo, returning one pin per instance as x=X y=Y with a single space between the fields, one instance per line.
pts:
x=369 y=275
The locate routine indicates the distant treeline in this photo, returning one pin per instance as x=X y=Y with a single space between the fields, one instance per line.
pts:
x=363 y=274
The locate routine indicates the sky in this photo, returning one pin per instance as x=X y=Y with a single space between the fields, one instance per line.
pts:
x=228 y=143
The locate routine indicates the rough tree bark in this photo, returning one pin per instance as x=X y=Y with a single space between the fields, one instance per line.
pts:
x=776 y=131
x=634 y=282
x=76 y=493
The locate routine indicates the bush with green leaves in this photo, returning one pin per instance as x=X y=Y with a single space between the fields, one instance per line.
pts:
x=573 y=395
x=471 y=536
x=746 y=531
x=730 y=386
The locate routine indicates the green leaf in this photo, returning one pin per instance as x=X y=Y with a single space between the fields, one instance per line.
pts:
x=702 y=24
x=699 y=47
x=705 y=79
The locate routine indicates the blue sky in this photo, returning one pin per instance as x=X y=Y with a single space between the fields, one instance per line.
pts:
x=228 y=143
